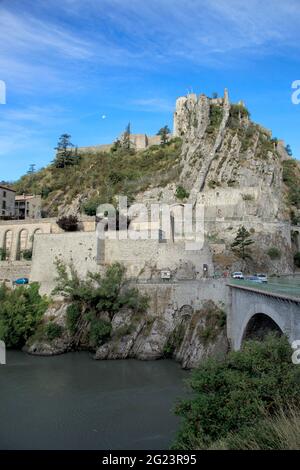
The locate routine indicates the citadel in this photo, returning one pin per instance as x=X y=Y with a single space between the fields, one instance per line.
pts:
x=230 y=167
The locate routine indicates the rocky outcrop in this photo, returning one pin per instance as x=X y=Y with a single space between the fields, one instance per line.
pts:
x=187 y=336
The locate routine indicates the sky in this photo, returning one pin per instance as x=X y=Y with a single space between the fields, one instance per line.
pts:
x=88 y=67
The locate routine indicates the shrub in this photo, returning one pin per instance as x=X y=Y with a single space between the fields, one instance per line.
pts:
x=3 y=254
x=100 y=331
x=20 y=312
x=212 y=184
x=274 y=253
x=68 y=223
x=248 y=197
x=73 y=314
x=27 y=254
x=53 y=331
x=181 y=193
x=234 y=394
x=90 y=207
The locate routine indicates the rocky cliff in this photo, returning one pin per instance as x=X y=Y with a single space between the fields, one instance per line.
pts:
x=187 y=336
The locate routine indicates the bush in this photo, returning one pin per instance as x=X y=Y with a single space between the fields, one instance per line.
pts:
x=100 y=331
x=234 y=394
x=91 y=206
x=73 y=314
x=68 y=223
x=274 y=253
x=181 y=193
x=53 y=331
x=20 y=312
x=27 y=255
x=3 y=254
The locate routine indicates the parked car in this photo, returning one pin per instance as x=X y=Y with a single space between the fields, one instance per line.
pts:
x=254 y=279
x=262 y=277
x=21 y=281
x=237 y=275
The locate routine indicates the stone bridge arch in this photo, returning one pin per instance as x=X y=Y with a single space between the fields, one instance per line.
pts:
x=253 y=312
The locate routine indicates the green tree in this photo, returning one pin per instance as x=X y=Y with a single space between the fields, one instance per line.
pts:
x=232 y=395
x=93 y=297
x=31 y=169
x=125 y=143
x=20 y=312
x=242 y=242
x=65 y=155
x=289 y=150
x=164 y=135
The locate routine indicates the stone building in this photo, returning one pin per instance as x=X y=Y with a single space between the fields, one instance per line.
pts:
x=28 y=207
x=7 y=202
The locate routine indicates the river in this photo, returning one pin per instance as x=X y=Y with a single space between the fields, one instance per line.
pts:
x=74 y=402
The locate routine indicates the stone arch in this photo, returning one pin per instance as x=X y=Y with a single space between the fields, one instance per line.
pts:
x=22 y=242
x=259 y=326
x=7 y=244
x=266 y=311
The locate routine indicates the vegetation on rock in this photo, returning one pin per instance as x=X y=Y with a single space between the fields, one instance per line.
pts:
x=99 y=177
x=95 y=301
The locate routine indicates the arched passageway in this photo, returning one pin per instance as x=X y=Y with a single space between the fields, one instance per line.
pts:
x=259 y=326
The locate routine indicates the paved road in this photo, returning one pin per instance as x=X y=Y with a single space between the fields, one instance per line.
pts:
x=284 y=285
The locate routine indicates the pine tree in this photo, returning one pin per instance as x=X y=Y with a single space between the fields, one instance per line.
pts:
x=31 y=169
x=164 y=135
x=289 y=150
x=65 y=156
x=241 y=242
x=126 y=137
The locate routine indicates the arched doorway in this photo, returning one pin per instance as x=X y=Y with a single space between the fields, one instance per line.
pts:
x=22 y=243
x=7 y=245
x=259 y=326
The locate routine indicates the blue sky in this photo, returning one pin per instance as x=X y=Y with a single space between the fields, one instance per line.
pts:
x=67 y=63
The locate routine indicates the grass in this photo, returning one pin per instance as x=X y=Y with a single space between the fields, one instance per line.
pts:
x=280 y=432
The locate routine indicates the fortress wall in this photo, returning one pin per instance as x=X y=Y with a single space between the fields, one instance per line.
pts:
x=78 y=248
x=143 y=258
x=17 y=235
x=192 y=293
x=142 y=255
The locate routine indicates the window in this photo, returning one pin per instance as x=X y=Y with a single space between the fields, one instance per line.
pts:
x=4 y=193
x=3 y=204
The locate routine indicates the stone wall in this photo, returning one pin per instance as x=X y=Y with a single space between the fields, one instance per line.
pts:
x=143 y=259
x=17 y=236
x=76 y=248
x=9 y=272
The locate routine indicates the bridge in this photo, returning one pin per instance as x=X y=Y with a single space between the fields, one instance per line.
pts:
x=259 y=308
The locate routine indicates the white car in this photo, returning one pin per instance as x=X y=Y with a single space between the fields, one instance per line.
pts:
x=262 y=277
x=237 y=275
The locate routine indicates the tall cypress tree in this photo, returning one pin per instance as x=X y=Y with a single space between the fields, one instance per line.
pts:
x=65 y=156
